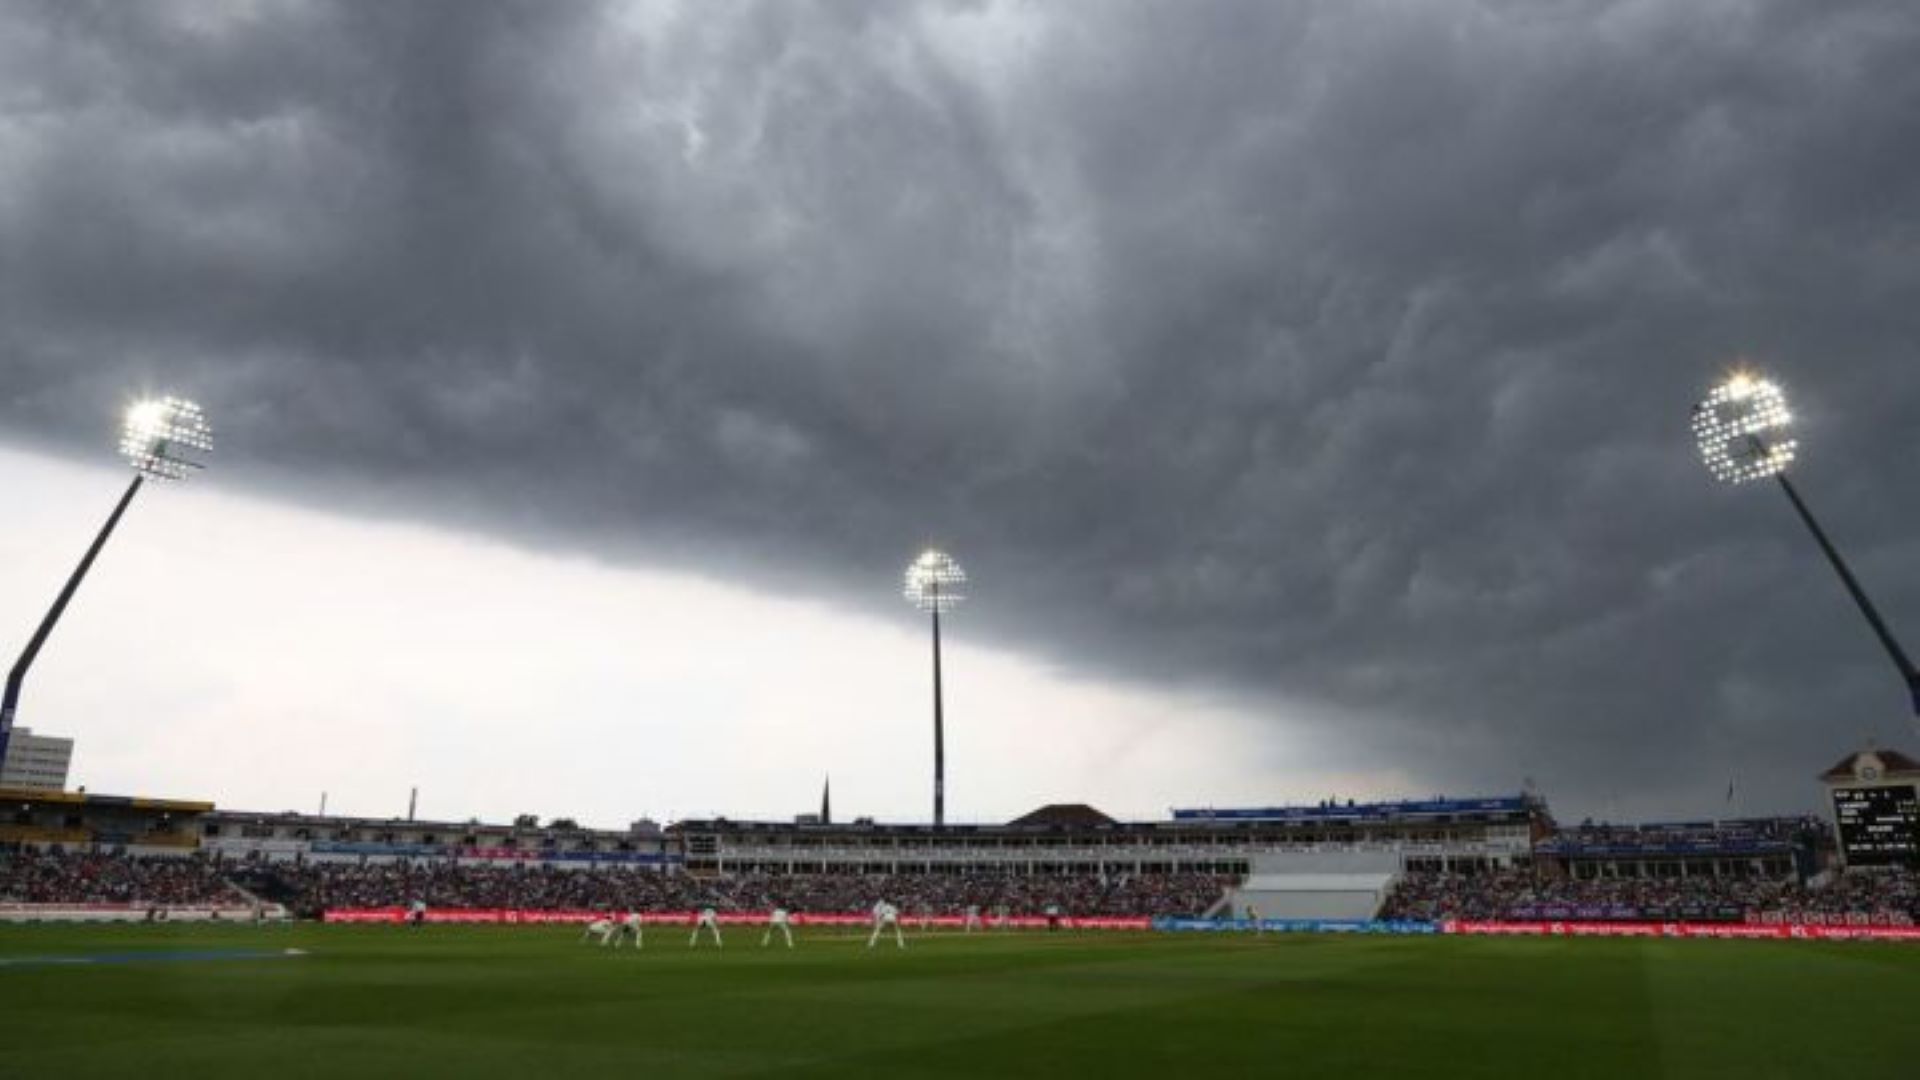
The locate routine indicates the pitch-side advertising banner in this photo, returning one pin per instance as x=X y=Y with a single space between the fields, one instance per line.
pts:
x=1556 y=928
x=1300 y=926
x=1773 y=931
x=685 y=918
x=1766 y=931
x=125 y=912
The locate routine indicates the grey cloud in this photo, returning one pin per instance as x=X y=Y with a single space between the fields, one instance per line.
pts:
x=1332 y=353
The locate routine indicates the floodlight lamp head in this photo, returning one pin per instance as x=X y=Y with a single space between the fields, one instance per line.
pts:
x=934 y=582
x=163 y=438
x=1744 y=430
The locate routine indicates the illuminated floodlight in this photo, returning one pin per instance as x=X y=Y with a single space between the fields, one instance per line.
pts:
x=163 y=437
x=935 y=582
x=1744 y=430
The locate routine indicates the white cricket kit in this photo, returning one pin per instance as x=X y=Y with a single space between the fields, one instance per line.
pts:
x=708 y=919
x=600 y=928
x=973 y=918
x=885 y=915
x=629 y=927
x=777 y=921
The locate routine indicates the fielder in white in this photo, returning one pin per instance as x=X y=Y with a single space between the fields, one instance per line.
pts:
x=600 y=928
x=885 y=915
x=973 y=919
x=777 y=921
x=708 y=919
x=629 y=927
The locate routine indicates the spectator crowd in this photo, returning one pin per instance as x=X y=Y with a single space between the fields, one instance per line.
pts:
x=314 y=886
x=32 y=877
x=1744 y=833
x=1515 y=894
x=1523 y=894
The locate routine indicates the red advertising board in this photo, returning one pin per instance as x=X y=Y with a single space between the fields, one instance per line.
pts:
x=685 y=918
x=1801 y=931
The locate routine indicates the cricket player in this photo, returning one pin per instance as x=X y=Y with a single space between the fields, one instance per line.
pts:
x=885 y=915
x=1253 y=916
x=417 y=913
x=708 y=919
x=777 y=921
x=973 y=919
x=600 y=928
x=629 y=927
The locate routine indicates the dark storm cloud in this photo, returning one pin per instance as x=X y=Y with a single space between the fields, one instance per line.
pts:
x=1334 y=353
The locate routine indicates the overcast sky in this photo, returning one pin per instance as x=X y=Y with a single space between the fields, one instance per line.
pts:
x=1305 y=385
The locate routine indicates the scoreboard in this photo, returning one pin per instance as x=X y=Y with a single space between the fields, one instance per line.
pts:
x=1879 y=826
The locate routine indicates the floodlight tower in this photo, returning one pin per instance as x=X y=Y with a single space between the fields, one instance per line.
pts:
x=162 y=439
x=935 y=583
x=1744 y=432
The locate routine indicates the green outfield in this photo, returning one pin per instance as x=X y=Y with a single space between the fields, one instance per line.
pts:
x=531 y=1002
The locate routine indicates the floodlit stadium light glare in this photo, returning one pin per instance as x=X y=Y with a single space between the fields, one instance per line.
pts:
x=162 y=437
x=1744 y=429
x=935 y=582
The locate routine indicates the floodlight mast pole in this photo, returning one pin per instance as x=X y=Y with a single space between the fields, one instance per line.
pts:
x=934 y=582
x=1880 y=629
x=18 y=675
x=939 y=728
x=159 y=439
x=1728 y=427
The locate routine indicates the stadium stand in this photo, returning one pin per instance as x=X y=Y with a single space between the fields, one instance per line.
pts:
x=311 y=887
x=1883 y=897
x=37 y=818
x=1498 y=858
x=28 y=876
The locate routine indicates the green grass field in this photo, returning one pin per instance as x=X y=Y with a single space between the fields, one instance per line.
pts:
x=522 y=1001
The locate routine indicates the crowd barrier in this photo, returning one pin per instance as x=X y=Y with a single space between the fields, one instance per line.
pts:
x=483 y=916
x=1776 y=931
x=123 y=912
x=1767 y=931
x=1298 y=926
x=1467 y=927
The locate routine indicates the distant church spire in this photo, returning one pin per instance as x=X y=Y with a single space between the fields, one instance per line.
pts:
x=826 y=801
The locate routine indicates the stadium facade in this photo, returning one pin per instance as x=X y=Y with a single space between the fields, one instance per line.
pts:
x=296 y=836
x=1875 y=822
x=35 y=761
x=1454 y=834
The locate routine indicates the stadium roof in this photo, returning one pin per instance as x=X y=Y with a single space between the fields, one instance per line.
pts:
x=41 y=795
x=1333 y=810
x=1071 y=815
x=1892 y=763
